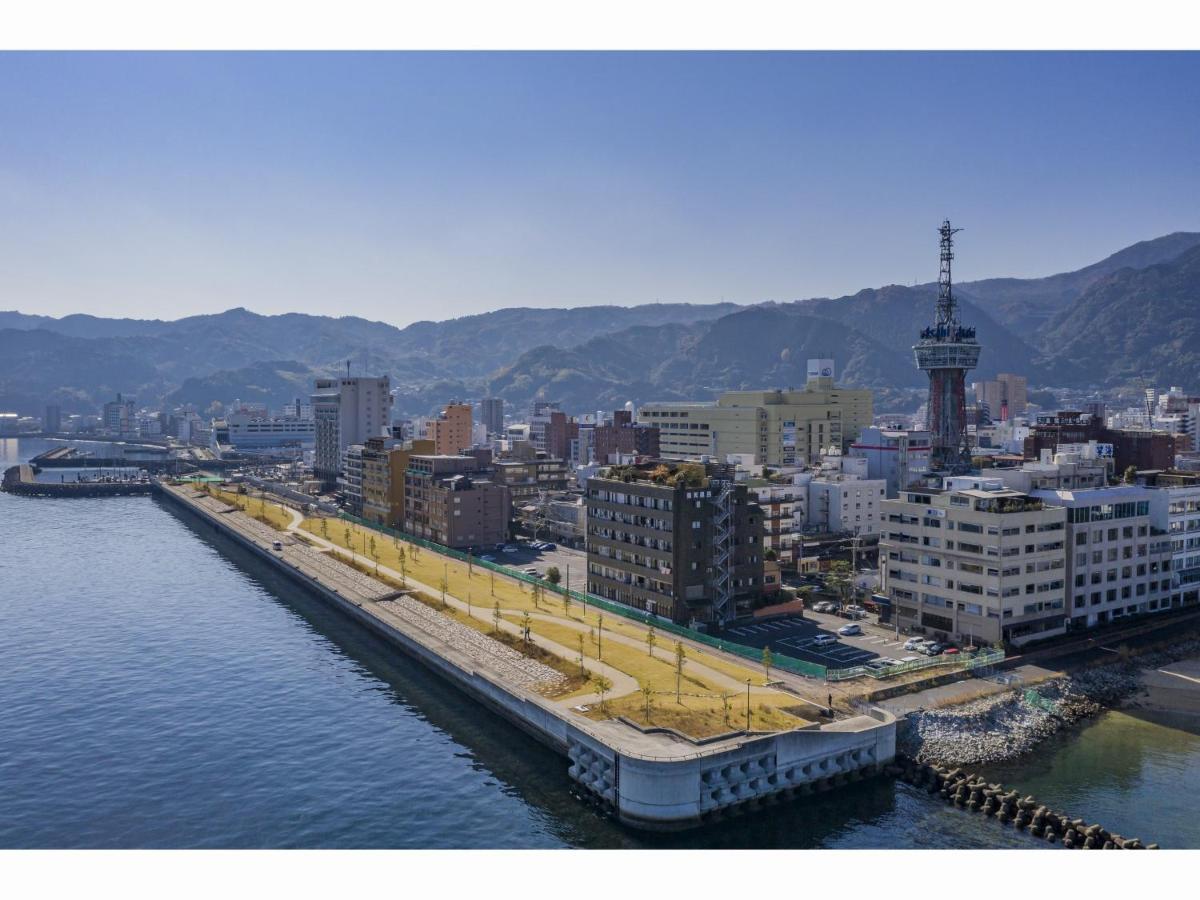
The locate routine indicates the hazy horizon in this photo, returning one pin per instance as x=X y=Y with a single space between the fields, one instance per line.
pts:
x=404 y=187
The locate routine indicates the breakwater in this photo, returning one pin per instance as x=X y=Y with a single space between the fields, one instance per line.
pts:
x=20 y=480
x=648 y=781
x=962 y=789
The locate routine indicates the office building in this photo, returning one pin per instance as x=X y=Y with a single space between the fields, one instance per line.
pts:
x=1004 y=398
x=119 y=417
x=1118 y=560
x=526 y=479
x=680 y=541
x=52 y=421
x=491 y=414
x=776 y=427
x=346 y=411
x=898 y=457
x=975 y=561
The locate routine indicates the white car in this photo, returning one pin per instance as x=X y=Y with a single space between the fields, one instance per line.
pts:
x=850 y=629
x=824 y=640
x=913 y=643
x=509 y=549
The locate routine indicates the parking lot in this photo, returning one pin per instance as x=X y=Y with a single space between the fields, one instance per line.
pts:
x=526 y=557
x=795 y=637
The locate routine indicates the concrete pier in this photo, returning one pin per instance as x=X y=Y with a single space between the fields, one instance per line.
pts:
x=651 y=780
x=21 y=480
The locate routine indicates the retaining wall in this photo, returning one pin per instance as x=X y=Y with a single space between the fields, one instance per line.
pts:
x=685 y=786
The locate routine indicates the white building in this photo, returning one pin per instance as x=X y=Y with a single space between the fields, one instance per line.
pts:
x=1073 y=467
x=898 y=457
x=975 y=561
x=1183 y=531
x=255 y=429
x=347 y=411
x=1118 y=557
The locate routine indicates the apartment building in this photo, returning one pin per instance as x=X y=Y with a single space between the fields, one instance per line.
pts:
x=1118 y=559
x=624 y=437
x=775 y=427
x=1182 y=497
x=975 y=561
x=1003 y=398
x=451 y=430
x=679 y=541
x=450 y=500
x=899 y=457
x=346 y=411
x=527 y=478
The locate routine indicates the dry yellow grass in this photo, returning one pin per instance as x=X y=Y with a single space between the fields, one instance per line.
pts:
x=700 y=715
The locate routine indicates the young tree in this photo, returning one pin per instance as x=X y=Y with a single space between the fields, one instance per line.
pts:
x=1130 y=474
x=680 y=658
x=841 y=579
x=603 y=686
x=374 y=554
x=651 y=640
x=349 y=539
x=537 y=596
x=553 y=575
x=525 y=624
x=443 y=585
x=324 y=527
x=766 y=661
x=581 y=668
x=403 y=559
x=599 y=635
x=496 y=617
x=566 y=603
x=493 y=577
x=647 y=697
x=725 y=705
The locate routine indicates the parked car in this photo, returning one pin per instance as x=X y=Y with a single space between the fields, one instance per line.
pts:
x=909 y=659
x=824 y=640
x=852 y=628
x=531 y=571
x=487 y=558
x=511 y=548
x=878 y=664
x=950 y=651
x=933 y=649
x=548 y=545
x=914 y=643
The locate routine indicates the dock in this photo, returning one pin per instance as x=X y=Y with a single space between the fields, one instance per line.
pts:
x=647 y=779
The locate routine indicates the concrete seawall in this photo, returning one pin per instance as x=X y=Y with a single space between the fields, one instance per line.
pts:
x=646 y=780
x=20 y=480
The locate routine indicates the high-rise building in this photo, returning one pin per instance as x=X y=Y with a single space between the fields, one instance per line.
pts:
x=775 y=428
x=1004 y=398
x=52 y=422
x=681 y=541
x=119 y=416
x=491 y=413
x=451 y=430
x=347 y=411
x=946 y=350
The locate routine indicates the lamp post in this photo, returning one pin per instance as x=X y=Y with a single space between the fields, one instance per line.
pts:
x=747 y=704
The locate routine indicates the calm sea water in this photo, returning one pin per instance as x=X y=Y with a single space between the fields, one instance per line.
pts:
x=159 y=688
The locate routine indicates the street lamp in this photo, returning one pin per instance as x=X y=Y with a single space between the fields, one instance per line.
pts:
x=747 y=704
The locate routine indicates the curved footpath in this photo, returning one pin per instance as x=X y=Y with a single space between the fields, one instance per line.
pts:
x=648 y=779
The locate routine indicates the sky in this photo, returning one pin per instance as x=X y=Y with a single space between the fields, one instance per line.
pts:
x=410 y=186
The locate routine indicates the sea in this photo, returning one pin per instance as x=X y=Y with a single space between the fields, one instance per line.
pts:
x=161 y=688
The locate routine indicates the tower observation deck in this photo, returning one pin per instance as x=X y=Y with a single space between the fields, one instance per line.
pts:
x=946 y=351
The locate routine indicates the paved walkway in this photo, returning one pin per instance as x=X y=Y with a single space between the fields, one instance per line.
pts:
x=622 y=683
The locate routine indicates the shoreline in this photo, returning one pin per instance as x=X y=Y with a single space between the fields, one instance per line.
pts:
x=1157 y=683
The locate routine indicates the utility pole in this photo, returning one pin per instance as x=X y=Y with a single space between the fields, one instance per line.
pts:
x=747 y=704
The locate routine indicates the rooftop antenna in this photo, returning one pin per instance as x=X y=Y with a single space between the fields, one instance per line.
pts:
x=347 y=368
x=946 y=305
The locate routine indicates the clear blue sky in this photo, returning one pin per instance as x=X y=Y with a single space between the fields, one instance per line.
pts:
x=425 y=186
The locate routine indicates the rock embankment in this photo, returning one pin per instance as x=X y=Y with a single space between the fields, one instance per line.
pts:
x=1004 y=726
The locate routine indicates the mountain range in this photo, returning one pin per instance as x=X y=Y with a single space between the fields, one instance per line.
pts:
x=1131 y=316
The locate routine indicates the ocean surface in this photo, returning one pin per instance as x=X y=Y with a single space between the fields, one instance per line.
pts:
x=162 y=688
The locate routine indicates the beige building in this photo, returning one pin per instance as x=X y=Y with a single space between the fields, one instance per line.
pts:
x=975 y=561
x=451 y=430
x=383 y=469
x=775 y=427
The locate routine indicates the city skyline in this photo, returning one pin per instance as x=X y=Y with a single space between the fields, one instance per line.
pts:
x=431 y=186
